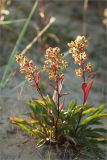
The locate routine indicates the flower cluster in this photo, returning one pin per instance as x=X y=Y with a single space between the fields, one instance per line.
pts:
x=79 y=55
x=54 y=63
x=77 y=48
x=26 y=66
x=105 y=17
x=3 y=9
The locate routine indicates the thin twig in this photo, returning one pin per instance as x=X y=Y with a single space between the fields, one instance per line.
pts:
x=52 y=20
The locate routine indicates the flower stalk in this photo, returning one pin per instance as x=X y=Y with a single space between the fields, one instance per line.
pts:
x=30 y=71
x=54 y=66
x=79 y=54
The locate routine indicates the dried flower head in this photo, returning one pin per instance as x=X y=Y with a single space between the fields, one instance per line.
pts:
x=26 y=66
x=54 y=63
x=3 y=9
x=77 y=49
x=105 y=17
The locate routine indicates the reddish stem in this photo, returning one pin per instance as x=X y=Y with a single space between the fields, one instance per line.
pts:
x=58 y=101
x=84 y=81
x=38 y=89
x=84 y=78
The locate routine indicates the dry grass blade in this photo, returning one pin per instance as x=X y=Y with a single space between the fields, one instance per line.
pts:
x=52 y=20
x=12 y=21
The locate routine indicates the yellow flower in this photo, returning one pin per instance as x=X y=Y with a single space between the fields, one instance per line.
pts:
x=105 y=12
x=81 y=42
x=77 y=60
x=29 y=77
x=77 y=49
x=80 y=58
x=89 y=67
x=26 y=66
x=79 y=72
x=79 y=45
x=22 y=60
x=105 y=19
x=54 y=63
x=83 y=56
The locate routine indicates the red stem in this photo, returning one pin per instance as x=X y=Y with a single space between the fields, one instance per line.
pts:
x=38 y=89
x=84 y=78
x=58 y=101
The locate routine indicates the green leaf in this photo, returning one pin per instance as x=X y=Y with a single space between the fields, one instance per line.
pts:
x=88 y=132
x=92 y=134
x=102 y=130
x=90 y=118
x=71 y=105
x=41 y=103
x=41 y=112
x=52 y=102
x=34 y=107
x=100 y=109
x=37 y=107
x=37 y=131
x=16 y=119
x=40 y=142
x=25 y=128
x=90 y=110
x=95 y=122
x=53 y=105
x=32 y=122
x=101 y=139
x=92 y=147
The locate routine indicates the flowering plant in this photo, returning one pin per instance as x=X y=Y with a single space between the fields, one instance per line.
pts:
x=77 y=127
